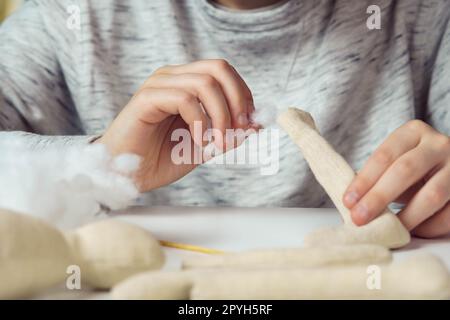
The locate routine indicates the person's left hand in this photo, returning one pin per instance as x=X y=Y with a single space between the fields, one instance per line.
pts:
x=412 y=167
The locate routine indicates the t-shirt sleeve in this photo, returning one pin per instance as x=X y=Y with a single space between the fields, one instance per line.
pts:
x=438 y=111
x=35 y=102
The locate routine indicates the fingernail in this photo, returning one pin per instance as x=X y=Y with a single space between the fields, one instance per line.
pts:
x=351 y=198
x=362 y=212
x=219 y=139
x=208 y=152
x=241 y=136
x=229 y=138
x=243 y=119
x=251 y=106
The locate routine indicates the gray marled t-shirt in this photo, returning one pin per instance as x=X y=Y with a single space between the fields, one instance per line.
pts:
x=57 y=81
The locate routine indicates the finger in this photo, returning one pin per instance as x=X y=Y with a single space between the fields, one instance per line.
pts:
x=411 y=192
x=430 y=199
x=438 y=142
x=248 y=102
x=409 y=135
x=155 y=105
x=207 y=90
x=237 y=93
x=399 y=177
x=436 y=226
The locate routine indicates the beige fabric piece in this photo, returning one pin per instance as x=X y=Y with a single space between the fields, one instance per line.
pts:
x=386 y=231
x=335 y=175
x=33 y=255
x=155 y=285
x=295 y=257
x=110 y=251
x=422 y=277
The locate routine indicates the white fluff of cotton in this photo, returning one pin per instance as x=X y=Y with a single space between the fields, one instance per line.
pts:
x=67 y=186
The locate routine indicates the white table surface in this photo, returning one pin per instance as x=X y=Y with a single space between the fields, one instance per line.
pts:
x=235 y=229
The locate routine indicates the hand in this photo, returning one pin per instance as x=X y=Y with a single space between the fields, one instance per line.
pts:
x=175 y=97
x=412 y=167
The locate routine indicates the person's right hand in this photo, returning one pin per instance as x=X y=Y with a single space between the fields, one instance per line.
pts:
x=175 y=97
